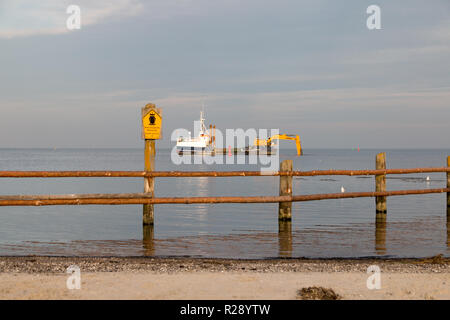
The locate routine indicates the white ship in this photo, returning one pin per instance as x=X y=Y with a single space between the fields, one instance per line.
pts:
x=201 y=144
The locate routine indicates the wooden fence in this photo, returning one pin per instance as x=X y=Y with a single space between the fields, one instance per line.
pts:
x=285 y=197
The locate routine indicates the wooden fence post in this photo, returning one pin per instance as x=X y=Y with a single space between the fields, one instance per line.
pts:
x=380 y=185
x=285 y=208
x=448 y=204
x=448 y=183
x=149 y=184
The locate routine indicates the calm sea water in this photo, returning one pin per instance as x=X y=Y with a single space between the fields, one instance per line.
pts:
x=416 y=226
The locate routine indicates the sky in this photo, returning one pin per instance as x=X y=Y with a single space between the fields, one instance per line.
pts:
x=311 y=68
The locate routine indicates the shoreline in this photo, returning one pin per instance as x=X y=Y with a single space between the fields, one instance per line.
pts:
x=55 y=264
x=105 y=278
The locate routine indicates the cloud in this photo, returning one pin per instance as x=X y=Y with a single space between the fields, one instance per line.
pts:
x=19 y=18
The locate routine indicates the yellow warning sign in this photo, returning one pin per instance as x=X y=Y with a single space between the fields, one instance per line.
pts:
x=151 y=122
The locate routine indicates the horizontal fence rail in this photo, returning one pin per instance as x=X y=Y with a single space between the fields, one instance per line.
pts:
x=181 y=174
x=144 y=198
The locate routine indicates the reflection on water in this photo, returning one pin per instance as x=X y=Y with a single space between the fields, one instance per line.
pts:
x=380 y=234
x=448 y=228
x=148 y=240
x=420 y=238
x=285 y=238
x=196 y=187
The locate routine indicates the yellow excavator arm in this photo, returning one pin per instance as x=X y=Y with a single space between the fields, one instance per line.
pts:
x=268 y=142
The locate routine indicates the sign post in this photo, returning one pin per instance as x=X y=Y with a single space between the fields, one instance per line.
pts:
x=151 y=131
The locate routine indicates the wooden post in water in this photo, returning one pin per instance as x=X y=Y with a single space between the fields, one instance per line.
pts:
x=285 y=238
x=380 y=185
x=380 y=236
x=285 y=208
x=448 y=185
x=149 y=183
x=151 y=131
x=448 y=204
x=148 y=240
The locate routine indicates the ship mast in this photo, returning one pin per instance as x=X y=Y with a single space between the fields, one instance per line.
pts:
x=202 y=119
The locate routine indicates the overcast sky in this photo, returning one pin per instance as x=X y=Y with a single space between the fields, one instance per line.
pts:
x=307 y=67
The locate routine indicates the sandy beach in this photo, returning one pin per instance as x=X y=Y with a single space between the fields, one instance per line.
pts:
x=185 y=278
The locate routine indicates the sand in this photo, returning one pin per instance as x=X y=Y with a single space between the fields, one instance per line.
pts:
x=149 y=278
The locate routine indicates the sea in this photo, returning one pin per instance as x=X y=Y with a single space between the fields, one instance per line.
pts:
x=416 y=225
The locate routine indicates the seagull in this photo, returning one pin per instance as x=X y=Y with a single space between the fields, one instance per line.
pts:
x=342 y=189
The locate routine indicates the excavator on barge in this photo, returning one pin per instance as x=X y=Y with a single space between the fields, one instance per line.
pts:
x=271 y=142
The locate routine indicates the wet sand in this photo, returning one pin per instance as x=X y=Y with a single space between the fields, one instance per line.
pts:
x=187 y=278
